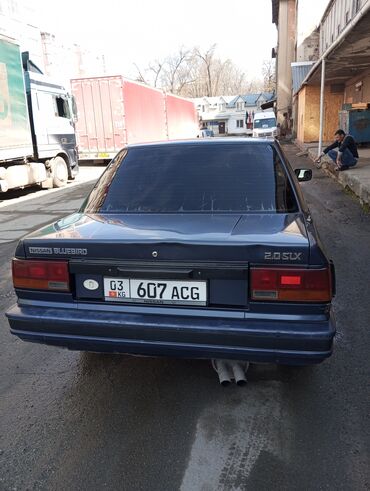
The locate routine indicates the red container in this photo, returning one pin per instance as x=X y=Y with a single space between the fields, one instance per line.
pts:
x=182 y=118
x=114 y=112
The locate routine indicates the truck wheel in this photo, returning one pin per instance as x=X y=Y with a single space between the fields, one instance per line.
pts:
x=59 y=172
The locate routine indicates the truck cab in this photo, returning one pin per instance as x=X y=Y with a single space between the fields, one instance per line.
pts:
x=51 y=117
x=37 y=134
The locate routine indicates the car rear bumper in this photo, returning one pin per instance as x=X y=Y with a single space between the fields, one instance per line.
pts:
x=256 y=340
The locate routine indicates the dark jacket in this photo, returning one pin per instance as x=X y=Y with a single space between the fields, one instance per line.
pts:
x=348 y=142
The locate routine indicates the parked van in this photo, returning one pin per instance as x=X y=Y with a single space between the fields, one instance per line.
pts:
x=264 y=124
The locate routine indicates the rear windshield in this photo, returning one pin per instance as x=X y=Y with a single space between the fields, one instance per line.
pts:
x=220 y=178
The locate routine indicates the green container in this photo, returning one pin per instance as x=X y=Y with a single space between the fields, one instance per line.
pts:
x=15 y=134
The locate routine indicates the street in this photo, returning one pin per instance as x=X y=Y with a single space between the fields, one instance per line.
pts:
x=82 y=421
x=88 y=172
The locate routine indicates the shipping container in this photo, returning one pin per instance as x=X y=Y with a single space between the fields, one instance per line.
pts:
x=114 y=112
x=182 y=118
x=15 y=132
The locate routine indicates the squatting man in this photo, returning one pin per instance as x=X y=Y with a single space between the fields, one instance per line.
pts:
x=346 y=156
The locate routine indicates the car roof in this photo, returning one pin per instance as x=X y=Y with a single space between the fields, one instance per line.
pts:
x=198 y=141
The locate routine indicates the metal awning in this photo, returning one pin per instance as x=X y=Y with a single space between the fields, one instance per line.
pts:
x=348 y=59
x=300 y=71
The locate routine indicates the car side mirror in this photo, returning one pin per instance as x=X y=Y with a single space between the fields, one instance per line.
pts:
x=303 y=174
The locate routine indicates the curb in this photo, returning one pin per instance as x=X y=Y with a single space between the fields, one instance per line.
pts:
x=357 y=180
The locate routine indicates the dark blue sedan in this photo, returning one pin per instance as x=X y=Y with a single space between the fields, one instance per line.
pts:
x=198 y=249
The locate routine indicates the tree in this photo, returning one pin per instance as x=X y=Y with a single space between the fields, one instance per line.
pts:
x=176 y=71
x=192 y=72
x=208 y=65
x=140 y=76
x=156 y=68
x=269 y=76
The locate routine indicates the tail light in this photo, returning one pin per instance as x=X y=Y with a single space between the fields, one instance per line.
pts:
x=291 y=285
x=41 y=275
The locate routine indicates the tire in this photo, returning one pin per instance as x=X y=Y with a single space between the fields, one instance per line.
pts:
x=59 y=172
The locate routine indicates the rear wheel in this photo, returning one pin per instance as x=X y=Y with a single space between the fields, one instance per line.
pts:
x=59 y=172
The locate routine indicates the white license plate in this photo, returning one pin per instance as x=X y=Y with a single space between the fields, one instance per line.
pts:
x=155 y=291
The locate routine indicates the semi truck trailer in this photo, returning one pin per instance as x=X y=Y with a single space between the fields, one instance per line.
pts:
x=113 y=112
x=37 y=135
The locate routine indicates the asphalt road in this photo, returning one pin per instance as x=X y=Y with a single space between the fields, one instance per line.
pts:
x=87 y=172
x=90 y=422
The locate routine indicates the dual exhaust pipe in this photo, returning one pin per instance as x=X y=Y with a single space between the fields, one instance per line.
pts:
x=229 y=370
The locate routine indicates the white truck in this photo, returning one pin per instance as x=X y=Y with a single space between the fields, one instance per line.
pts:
x=37 y=135
x=264 y=125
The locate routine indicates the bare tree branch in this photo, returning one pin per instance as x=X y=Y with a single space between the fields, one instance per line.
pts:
x=140 y=77
x=156 y=69
x=207 y=58
x=192 y=72
x=269 y=75
x=174 y=63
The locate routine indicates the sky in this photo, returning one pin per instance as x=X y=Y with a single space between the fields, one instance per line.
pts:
x=140 y=31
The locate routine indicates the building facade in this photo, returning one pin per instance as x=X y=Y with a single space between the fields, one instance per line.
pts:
x=339 y=82
x=64 y=60
x=58 y=58
x=284 y=16
x=18 y=22
x=331 y=70
x=230 y=115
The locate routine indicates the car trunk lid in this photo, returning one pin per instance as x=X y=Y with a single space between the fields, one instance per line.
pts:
x=257 y=238
x=194 y=260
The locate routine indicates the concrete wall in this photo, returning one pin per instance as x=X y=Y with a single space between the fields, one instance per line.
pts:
x=309 y=15
x=286 y=55
x=360 y=93
x=308 y=114
x=308 y=50
x=308 y=37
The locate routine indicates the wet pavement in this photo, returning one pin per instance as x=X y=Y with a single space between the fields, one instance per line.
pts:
x=81 y=421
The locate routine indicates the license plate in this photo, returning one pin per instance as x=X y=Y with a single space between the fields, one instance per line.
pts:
x=155 y=291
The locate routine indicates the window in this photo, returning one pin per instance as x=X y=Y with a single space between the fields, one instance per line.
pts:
x=74 y=108
x=239 y=123
x=61 y=107
x=194 y=178
x=264 y=123
x=239 y=106
x=221 y=107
